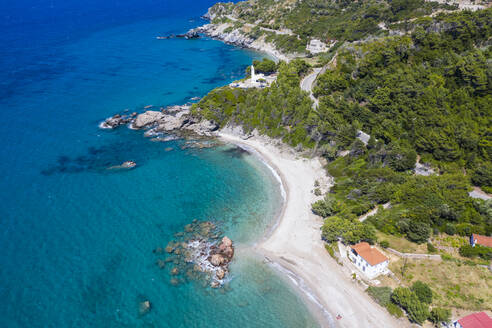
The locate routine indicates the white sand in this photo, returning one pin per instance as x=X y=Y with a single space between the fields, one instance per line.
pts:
x=295 y=246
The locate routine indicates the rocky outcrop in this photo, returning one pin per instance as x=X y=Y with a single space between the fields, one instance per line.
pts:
x=220 y=32
x=199 y=253
x=176 y=119
x=147 y=118
x=117 y=120
x=227 y=33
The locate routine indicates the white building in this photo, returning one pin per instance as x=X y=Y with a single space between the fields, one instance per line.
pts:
x=255 y=80
x=316 y=46
x=368 y=260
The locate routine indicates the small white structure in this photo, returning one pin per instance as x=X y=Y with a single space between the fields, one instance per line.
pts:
x=364 y=137
x=368 y=260
x=316 y=46
x=255 y=80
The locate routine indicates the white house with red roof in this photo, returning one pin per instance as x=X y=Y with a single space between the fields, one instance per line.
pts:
x=368 y=260
x=480 y=240
x=474 y=320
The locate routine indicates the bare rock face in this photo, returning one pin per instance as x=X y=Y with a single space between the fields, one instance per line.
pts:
x=148 y=118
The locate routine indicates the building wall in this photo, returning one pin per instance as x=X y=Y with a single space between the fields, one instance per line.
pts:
x=369 y=270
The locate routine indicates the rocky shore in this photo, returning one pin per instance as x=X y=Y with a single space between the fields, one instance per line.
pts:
x=176 y=120
x=238 y=37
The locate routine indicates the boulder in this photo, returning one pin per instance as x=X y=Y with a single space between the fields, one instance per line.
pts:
x=144 y=307
x=175 y=271
x=147 y=118
x=226 y=242
x=220 y=274
x=217 y=260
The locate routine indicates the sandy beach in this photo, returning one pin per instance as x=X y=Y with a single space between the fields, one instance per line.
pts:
x=295 y=246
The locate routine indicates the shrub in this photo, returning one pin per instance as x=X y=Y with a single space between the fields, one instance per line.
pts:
x=438 y=315
x=394 y=310
x=431 y=248
x=480 y=251
x=325 y=207
x=265 y=66
x=450 y=229
x=382 y=295
x=351 y=231
x=483 y=175
x=384 y=244
x=423 y=292
x=408 y=300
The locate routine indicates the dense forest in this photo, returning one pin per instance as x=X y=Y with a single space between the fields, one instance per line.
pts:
x=427 y=92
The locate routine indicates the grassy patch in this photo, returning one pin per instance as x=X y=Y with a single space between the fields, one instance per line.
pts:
x=401 y=244
x=454 y=283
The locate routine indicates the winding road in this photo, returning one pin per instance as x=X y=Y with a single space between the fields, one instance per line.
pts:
x=307 y=84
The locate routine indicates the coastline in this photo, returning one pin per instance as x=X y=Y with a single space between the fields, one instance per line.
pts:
x=238 y=39
x=293 y=245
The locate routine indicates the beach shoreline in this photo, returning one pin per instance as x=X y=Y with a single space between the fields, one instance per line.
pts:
x=293 y=245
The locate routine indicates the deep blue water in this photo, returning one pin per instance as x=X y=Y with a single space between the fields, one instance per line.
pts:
x=76 y=240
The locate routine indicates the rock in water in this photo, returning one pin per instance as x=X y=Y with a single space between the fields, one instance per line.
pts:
x=161 y=264
x=217 y=260
x=226 y=242
x=220 y=274
x=147 y=118
x=144 y=307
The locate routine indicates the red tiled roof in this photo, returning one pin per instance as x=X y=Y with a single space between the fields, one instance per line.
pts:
x=476 y=320
x=482 y=240
x=368 y=253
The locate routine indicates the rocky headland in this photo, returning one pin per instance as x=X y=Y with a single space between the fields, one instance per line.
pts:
x=175 y=120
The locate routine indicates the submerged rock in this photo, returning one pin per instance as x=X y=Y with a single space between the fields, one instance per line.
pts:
x=161 y=264
x=144 y=307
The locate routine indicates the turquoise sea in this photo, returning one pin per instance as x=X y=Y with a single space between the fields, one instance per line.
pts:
x=77 y=239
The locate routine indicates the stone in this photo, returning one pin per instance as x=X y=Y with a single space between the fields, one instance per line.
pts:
x=144 y=307
x=220 y=274
x=161 y=264
x=217 y=260
x=174 y=281
x=226 y=241
x=175 y=271
x=158 y=250
x=147 y=118
x=214 y=284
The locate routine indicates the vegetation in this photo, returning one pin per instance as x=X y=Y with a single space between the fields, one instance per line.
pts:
x=423 y=292
x=341 y=20
x=455 y=283
x=266 y=66
x=477 y=251
x=438 y=315
x=408 y=300
x=424 y=94
x=382 y=295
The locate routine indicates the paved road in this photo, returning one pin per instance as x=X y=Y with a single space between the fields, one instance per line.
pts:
x=307 y=85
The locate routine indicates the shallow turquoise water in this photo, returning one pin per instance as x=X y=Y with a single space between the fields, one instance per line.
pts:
x=77 y=239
